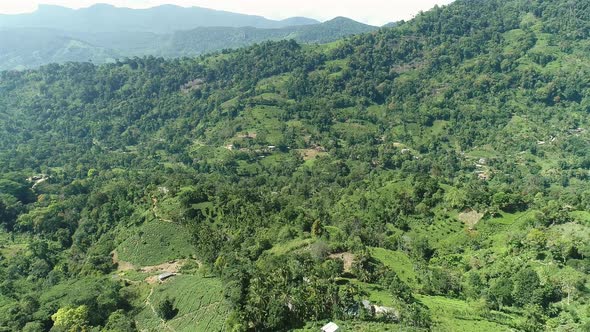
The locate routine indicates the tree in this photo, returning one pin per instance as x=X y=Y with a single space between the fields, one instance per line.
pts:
x=348 y=297
x=398 y=288
x=34 y=327
x=417 y=315
x=70 y=319
x=526 y=282
x=166 y=309
x=500 y=292
x=534 y=318
x=317 y=229
x=570 y=281
x=119 y=322
x=421 y=248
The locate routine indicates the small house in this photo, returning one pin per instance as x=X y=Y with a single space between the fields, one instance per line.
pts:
x=165 y=276
x=330 y=327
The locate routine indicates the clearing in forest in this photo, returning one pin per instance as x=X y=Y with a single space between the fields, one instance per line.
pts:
x=199 y=300
x=470 y=218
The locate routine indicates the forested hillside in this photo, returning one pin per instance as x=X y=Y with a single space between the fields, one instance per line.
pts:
x=430 y=176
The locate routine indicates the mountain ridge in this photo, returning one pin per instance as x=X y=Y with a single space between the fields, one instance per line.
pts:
x=159 y=19
x=21 y=53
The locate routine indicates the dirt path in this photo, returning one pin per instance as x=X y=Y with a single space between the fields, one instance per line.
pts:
x=172 y=267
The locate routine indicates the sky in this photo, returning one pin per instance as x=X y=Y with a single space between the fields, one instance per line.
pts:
x=376 y=12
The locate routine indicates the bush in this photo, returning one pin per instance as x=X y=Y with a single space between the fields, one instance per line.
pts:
x=166 y=309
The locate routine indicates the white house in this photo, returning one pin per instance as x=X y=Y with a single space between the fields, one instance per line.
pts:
x=330 y=327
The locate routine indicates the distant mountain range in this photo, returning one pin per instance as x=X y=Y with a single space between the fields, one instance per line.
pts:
x=161 y=19
x=202 y=40
x=103 y=33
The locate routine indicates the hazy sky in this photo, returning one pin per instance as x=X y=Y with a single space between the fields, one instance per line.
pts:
x=375 y=12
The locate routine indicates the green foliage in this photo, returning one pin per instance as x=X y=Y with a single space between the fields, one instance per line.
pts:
x=119 y=322
x=200 y=303
x=166 y=309
x=389 y=139
x=71 y=319
x=154 y=242
x=316 y=228
x=399 y=262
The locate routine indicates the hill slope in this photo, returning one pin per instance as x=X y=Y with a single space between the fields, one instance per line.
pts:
x=26 y=48
x=437 y=169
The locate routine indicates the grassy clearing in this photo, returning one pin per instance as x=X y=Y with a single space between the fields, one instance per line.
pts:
x=155 y=242
x=439 y=127
x=11 y=244
x=131 y=275
x=11 y=250
x=457 y=315
x=310 y=154
x=481 y=153
x=508 y=219
x=372 y=292
x=442 y=232
x=399 y=262
x=74 y=292
x=199 y=301
x=284 y=248
x=168 y=209
x=273 y=83
x=500 y=229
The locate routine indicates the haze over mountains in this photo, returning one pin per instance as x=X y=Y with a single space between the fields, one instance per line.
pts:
x=160 y=19
x=103 y=33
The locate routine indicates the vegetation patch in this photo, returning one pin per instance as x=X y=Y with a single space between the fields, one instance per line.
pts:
x=199 y=300
x=155 y=242
x=399 y=262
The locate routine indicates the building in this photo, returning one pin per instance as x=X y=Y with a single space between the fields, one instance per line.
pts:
x=165 y=276
x=330 y=327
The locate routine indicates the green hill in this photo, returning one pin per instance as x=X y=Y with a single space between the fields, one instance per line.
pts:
x=26 y=48
x=437 y=169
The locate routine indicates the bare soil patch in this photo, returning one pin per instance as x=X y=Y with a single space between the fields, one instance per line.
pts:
x=470 y=218
x=170 y=267
x=346 y=257
x=309 y=154
x=122 y=266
